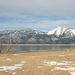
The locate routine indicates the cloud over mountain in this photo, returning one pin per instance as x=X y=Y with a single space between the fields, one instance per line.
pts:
x=40 y=13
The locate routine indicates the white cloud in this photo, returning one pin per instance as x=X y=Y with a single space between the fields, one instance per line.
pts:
x=41 y=24
x=64 y=8
x=25 y=12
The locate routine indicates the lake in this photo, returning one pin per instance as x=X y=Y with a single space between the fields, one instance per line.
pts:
x=39 y=47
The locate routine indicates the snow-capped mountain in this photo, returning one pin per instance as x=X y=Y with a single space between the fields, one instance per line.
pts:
x=23 y=36
x=62 y=31
x=18 y=31
x=60 y=35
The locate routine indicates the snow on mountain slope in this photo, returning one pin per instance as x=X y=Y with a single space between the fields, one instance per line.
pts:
x=67 y=31
x=70 y=32
x=21 y=31
x=57 y=31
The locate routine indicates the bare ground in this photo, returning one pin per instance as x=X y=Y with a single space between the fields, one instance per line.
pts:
x=38 y=63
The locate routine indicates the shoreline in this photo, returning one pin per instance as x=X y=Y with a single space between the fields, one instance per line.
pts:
x=42 y=50
x=40 y=44
x=38 y=51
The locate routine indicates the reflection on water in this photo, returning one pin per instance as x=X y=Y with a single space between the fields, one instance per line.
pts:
x=40 y=47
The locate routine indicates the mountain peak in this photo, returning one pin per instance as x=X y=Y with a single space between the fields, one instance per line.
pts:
x=62 y=30
x=57 y=31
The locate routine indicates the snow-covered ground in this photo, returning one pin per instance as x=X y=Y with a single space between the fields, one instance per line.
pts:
x=64 y=63
x=70 y=69
x=57 y=63
x=12 y=68
x=62 y=55
x=15 y=54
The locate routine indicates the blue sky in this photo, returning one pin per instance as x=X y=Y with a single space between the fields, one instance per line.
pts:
x=36 y=14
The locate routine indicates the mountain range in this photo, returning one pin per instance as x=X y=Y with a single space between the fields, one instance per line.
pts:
x=59 y=35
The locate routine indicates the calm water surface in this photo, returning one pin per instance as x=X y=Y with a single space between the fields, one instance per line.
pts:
x=40 y=47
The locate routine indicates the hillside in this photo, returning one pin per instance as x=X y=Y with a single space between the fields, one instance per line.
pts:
x=60 y=35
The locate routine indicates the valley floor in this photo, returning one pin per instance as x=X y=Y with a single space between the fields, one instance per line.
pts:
x=38 y=63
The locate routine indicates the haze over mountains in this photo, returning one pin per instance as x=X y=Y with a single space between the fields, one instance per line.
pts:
x=60 y=35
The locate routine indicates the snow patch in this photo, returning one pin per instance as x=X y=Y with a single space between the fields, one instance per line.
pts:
x=38 y=66
x=6 y=71
x=16 y=66
x=8 y=59
x=15 y=54
x=14 y=73
x=4 y=68
x=23 y=70
x=22 y=61
x=57 y=63
x=66 y=63
x=72 y=73
x=70 y=69
x=62 y=55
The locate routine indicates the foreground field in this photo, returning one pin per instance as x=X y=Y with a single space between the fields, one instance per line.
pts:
x=38 y=63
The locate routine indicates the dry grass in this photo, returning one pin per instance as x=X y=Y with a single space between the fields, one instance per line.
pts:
x=34 y=62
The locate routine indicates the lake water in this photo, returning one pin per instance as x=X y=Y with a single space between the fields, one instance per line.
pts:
x=40 y=47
